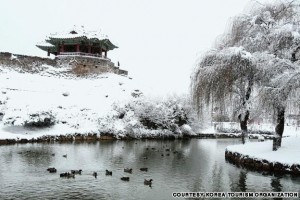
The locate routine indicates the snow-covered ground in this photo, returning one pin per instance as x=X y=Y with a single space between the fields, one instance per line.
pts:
x=230 y=127
x=76 y=102
x=53 y=101
x=288 y=153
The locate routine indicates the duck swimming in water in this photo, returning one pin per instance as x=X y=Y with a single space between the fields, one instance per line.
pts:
x=76 y=171
x=67 y=175
x=108 y=173
x=51 y=170
x=144 y=169
x=148 y=182
x=95 y=174
x=128 y=170
x=125 y=178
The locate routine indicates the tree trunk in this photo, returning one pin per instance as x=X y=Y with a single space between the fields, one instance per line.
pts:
x=244 y=120
x=279 y=128
x=244 y=126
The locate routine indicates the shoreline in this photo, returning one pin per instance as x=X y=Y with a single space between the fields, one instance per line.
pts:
x=96 y=137
x=261 y=165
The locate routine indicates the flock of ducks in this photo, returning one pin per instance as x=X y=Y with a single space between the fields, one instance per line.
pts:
x=72 y=173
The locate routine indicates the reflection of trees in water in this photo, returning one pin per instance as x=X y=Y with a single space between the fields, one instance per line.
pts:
x=242 y=181
x=276 y=185
x=7 y=157
x=37 y=156
x=239 y=183
x=217 y=177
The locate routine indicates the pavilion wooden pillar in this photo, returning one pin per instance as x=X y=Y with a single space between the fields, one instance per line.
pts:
x=62 y=48
x=77 y=48
x=105 y=53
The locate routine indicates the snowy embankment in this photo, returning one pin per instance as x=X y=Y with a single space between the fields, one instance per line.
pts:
x=232 y=129
x=259 y=155
x=55 y=102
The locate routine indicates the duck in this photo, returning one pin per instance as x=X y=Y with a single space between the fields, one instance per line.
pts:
x=128 y=170
x=65 y=155
x=76 y=171
x=145 y=169
x=167 y=154
x=108 y=173
x=148 y=182
x=51 y=170
x=95 y=174
x=53 y=154
x=125 y=178
x=67 y=175
x=167 y=149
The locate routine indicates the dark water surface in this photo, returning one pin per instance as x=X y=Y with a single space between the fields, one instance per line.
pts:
x=199 y=165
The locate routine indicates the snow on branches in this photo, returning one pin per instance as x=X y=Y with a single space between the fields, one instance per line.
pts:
x=255 y=60
x=145 y=117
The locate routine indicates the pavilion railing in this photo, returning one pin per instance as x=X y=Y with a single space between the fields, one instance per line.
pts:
x=83 y=54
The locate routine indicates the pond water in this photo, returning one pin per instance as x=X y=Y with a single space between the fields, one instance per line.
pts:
x=198 y=165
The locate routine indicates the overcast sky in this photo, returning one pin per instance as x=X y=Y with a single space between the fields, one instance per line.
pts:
x=159 y=40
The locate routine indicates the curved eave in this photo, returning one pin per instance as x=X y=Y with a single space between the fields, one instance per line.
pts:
x=109 y=44
x=46 y=48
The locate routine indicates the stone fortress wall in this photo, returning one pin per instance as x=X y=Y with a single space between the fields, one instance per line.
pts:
x=80 y=65
x=23 y=61
x=88 y=64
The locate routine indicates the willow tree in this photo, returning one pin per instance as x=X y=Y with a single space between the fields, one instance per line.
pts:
x=275 y=94
x=225 y=74
x=278 y=62
x=271 y=30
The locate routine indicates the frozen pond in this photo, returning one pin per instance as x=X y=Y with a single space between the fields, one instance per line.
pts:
x=198 y=165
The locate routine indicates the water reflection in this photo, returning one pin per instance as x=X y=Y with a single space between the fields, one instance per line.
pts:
x=276 y=185
x=186 y=165
x=242 y=181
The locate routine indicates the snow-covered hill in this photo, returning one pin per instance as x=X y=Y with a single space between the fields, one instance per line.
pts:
x=53 y=101
x=76 y=102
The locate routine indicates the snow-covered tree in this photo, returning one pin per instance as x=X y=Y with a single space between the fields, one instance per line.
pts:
x=150 y=117
x=224 y=74
x=257 y=52
x=277 y=91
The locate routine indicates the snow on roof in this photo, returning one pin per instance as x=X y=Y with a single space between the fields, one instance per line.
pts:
x=80 y=32
x=45 y=44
